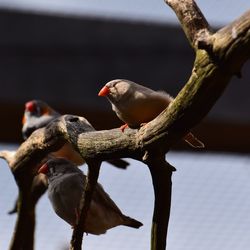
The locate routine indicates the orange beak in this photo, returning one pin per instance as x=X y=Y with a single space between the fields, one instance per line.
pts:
x=23 y=120
x=43 y=169
x=104 y=91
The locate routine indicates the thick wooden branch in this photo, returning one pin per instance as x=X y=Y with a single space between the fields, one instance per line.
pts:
x=206 y=84
x=7 y=155
x=193 y=22
x=161 y=173
x=232 y=44
x=25 y=218
x=38 y=188
x=46 y=140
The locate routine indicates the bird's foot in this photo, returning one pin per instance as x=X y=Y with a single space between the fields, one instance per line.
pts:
x=123 y=127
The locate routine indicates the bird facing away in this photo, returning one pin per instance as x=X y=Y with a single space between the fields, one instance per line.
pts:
x=38 y=114
x=136 y=105
x=66 y=185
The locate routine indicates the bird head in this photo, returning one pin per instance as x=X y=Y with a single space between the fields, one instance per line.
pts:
x=36 y=108
x=56 y=167
x=116 y=90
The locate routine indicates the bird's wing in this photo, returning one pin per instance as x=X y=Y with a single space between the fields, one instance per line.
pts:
x=101 y=197
x=66 y=196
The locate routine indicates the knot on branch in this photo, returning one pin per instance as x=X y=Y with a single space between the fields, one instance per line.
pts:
x=204 y=40
x=73 y=126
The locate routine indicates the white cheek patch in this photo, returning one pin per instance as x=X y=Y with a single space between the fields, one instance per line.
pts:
x=52 y=170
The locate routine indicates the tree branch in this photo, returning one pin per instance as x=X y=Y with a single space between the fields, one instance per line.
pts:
x=193 y=23
x=232 y=44
x=161 y=173
x=92 y=177
x=7 y=155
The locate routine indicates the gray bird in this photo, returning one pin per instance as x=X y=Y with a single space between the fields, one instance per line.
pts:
x=38 y=114
x=65 y=189
x=136 y=105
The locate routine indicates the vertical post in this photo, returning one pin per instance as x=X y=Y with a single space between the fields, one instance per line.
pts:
x=93 y=174
x=161 y=173
x=23 y=236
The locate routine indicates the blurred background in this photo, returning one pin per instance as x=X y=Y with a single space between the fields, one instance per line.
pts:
x=63 y=52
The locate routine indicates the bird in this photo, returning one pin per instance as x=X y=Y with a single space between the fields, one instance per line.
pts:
x=38 y=114
x=137 y=105
x=66 y=183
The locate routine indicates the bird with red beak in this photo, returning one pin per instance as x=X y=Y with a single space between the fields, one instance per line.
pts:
x=137 y=105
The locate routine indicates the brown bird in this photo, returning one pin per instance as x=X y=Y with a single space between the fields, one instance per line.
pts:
x=136 y=105
x=66 y=185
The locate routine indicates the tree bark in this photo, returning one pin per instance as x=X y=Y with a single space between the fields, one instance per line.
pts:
x=92 y=177
x=161 y=173
x=23 y=237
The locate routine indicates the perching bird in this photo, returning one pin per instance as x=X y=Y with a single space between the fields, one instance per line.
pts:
x=136 y=105
x=38 y=114
x=65 y=189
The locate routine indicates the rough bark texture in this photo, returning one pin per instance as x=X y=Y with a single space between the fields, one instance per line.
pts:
x=93 y=173
x=161 y=173
x=219 y=56
x=192 y=21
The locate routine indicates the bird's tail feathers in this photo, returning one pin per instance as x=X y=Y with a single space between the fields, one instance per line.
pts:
x=130 y=222
x=193 y=141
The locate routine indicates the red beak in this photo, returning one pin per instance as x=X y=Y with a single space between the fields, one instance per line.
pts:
x=43 y=169
x=104 y=91
x=30 y=106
